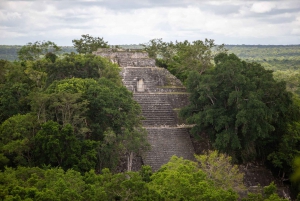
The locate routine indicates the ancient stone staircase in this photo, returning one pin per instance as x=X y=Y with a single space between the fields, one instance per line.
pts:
x=156 y=110
x=166 y=142
x=160 y=95
x=165 y=135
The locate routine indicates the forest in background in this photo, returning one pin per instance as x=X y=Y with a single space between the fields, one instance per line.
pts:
x=273 y=57
x=54 y=146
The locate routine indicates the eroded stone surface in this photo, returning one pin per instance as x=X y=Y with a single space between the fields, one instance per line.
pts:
x=126 y=58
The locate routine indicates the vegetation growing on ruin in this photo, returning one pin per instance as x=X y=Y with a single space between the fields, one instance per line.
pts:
x=245 y=109
x=66 y=121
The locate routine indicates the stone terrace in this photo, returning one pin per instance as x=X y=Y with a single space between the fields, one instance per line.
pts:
x=160 y=95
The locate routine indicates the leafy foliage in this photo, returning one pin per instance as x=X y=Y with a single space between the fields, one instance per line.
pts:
x=180 y=58
x=273 y=57
x=177 y=180
x=14 y=88
x=292 y=79
x=181 y=179
x=32 y=51
x=268 y=194
x=17 y=139
x=58 y=146
x=81 y=66
x=88 y=44
x=296 y=174
x=219 y=168
x=238 y=104
x=288 y=148
x=71 y=112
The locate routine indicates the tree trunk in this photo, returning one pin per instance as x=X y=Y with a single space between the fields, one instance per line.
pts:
x=129 y=161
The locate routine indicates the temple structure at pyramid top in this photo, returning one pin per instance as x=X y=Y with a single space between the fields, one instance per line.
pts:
x=127 y=57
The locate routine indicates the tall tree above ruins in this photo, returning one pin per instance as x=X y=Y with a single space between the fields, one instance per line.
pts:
x=32 y=51
x=87 y=44
x=180 y=58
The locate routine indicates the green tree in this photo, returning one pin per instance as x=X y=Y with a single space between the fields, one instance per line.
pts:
x=101 y=111
x=181 y=58
x=17 y=139
x=134 y=142
x=115 y=108
x=116 y=123
x=87 y=44
x=292 y=79
x=35 y=72
x=57 y=145
x=82 y=66
x=238 y=104
x=269 y=194
x=287 y=149
x=32 y=51
x=61 y=102
x=182 y=180
x=69 y=108
x=296 y=175
x=3 y=70
x=13 y=99
x=219 y=168
x=14 y=90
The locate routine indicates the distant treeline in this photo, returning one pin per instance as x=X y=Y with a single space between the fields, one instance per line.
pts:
x=10 y=52
x=274 y=57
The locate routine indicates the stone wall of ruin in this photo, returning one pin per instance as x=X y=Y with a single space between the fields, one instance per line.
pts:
x=126 y=58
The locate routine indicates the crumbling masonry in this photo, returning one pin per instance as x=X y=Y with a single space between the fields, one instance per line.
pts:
x=160 y=95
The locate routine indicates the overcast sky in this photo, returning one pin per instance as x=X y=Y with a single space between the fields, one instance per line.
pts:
x=138 y=21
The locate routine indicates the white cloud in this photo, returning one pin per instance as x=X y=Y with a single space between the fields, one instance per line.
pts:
x=64 y=21
x=296 y=27
x=262 y=7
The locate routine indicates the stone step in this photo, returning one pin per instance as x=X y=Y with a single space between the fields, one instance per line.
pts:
x=158 y=115
x=166 y=142
x=157 y=104
x=149 y=109
x=151 y=100
x=167 y=112
x=156 y=107
x=152 y=110
x=154 y=103
x=159 y=120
